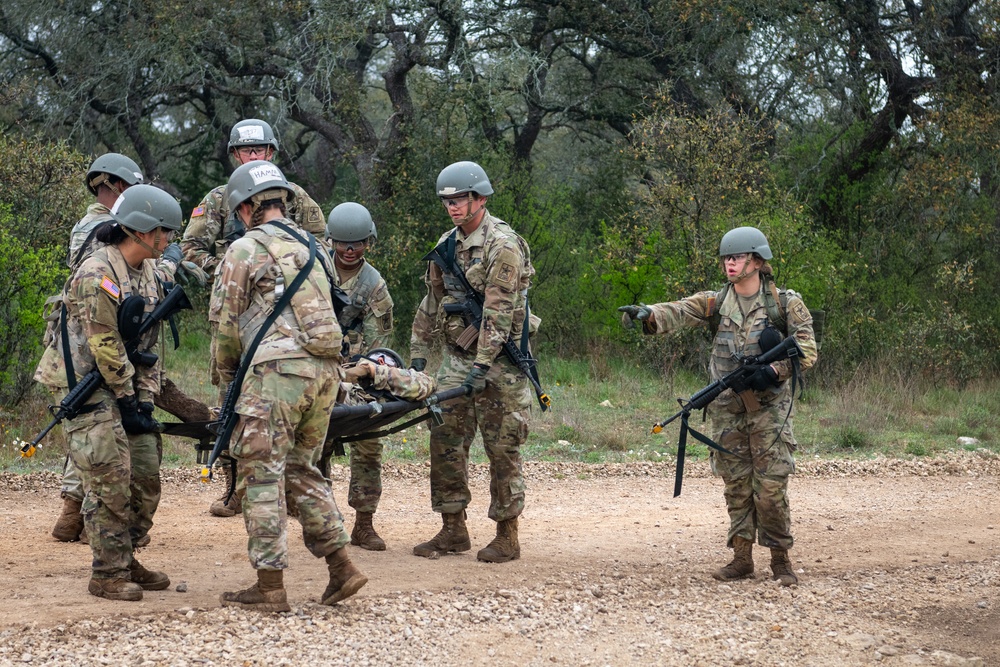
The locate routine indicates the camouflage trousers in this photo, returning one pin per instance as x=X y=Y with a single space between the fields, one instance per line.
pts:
x=284 y=412
x=120 y=475
x=756 y=479
x=501 y=414
x=171 y=399
x=365 y=487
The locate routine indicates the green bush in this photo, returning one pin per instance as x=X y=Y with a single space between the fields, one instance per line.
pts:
x=27 y=277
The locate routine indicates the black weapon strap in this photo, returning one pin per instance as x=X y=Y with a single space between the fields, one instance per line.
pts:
x=86 y=244
x=67 y=354
x=241 y=372
x=682 y=448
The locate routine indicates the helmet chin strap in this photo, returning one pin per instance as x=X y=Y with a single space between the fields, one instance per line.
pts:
x=743 y=274
x=471 y=214
x=156 y=241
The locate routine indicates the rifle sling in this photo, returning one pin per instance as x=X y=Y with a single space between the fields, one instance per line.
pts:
x=223 y=440
x=67 y=354
x=682 y=447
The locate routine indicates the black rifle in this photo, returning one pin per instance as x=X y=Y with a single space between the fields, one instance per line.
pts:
x=738 y=380
x=75 y=402
x=472 y=314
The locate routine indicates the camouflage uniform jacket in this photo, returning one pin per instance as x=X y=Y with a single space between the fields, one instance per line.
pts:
x=367 y=322
x=739 y=333
x=92 y=296
x=97 y=214
x=244 y=295
x=212 y=227
x=497 y=263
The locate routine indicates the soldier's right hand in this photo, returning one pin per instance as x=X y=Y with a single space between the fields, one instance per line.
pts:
x=418 y=364
x=133 y=420
x=632 y=313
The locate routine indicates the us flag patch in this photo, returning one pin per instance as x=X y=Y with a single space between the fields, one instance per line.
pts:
x=198 y=211
x=109 y=286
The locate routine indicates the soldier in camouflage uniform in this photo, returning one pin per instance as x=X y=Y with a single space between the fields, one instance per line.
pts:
x=752 y=425
x=286 y=399
x=114 y=443
x=367 y=324
x=213 y=226
x=497 y=263
x=108 y=177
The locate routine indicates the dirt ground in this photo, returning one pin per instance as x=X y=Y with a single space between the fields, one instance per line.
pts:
x=910 y=529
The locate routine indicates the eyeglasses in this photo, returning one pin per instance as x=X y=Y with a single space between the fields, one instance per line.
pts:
x=738 y=257
x=453 y=203
x=252 y=151
x=350 y=245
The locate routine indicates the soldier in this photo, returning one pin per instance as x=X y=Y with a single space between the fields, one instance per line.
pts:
x=272 y=308
x=213 y=226
x=755 y=426
x=497 y=263
x=113 y=443
x=108 y=177
x=367 y=324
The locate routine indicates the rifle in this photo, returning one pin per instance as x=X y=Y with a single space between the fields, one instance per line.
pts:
x=131 y=326
x=472 y=314
x=738 y=381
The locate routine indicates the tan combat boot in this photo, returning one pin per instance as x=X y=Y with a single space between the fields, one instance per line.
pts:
x=84 y=537
x=741 y=567
x=268 y=594
x=364 y=534
x=504 y=546
x=453 y=537
x=781 y=567
x=227 y=505
x=345 y=578
x=143 y=541
x=70 y=521
x=115 y=589
x=149 y=580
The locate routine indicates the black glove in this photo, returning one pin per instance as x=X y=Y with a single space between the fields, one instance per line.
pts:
x=133 y=420
x=418 y=364
x=633 y=313
x=146 y=408
x=764 y=378
x=476 y=379
x=173 y=253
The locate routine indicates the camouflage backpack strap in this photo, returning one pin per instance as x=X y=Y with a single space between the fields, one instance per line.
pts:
x=776 y=302
x=712 y=315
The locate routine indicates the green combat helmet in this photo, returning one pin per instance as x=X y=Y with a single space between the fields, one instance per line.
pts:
x=258 y=181
x=252 y=132
x=462 y=177
x=112 y=164
x=744 y=239
x=143 y=208
x=350 y=222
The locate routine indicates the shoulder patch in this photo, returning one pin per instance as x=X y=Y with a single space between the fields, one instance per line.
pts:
x=800 y=310
x=198 y=211
x=506 y=273
x=111 y=287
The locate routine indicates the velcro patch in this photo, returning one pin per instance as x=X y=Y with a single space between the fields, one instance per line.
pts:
x=198 y=211
x=506 y=273
x=111 y=287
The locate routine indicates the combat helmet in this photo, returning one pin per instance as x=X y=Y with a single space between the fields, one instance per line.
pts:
x=385 y=356
x=462 y=177
x=744 y=240
x=350 y=222
x=257 y=180
x=112 y=164
x=143 y=208
x=252 y=132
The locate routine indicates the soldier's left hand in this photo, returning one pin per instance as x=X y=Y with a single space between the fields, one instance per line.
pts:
x=632 y=313
x=188 y=271
x=476 y=379
x=173 y=253
x=764 y=378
